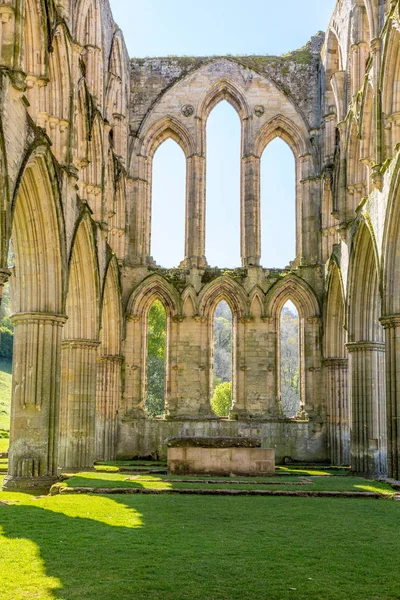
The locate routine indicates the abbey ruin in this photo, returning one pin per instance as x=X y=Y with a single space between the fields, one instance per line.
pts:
x=79 y=125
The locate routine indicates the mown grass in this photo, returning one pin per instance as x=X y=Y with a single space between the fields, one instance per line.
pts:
x=120 y=480
x=202 y=548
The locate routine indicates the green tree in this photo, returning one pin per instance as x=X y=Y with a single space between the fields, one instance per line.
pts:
x=223 y=342
x=290 y=388
x=222 y=399
x=156 y=351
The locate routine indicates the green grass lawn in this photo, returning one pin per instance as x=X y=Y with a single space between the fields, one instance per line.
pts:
x=332 y=483
x=5 y=395
x=198 y=548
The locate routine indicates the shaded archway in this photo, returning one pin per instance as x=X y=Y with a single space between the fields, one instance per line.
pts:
x=367 y=358
x=336 y=370
x=37 y=285
x=79 y=355
x=109 y=365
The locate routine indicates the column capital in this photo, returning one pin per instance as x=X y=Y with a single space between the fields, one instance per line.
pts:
x=365 y=346
x=390 y=321
x=336 y=362
x=110 y=358
x=40 y=318
x=78 y=343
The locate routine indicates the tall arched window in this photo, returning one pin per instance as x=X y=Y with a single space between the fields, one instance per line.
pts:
x=223 y=353
x=156 y=358
x=289 y=360
x=168 y=205
x=223 y=187
x=278 y=205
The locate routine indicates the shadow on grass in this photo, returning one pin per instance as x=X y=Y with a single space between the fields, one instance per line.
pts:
x=102 y=548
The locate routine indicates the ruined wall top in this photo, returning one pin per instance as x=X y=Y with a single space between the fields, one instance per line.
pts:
x=295 y=74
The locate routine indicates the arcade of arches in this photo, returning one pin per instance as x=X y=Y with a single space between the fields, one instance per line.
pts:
x=80 y=123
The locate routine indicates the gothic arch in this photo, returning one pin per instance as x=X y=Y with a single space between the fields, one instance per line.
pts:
x=223 y=288
x=336 y=369
x=111 y=311
x=367 y=356
x=88 y=22
x=108 y=390
x=117 y=95
x=293 y=288
x=59 y=87
x=189 y=295
x=83 y=298
x=335 y=334
x=223 y=89
x=257 y=301
x=152 y=288
x=38 y=237
x=55 y=98
x=363 y=299
x=282 y=127
x=391 y=246
x=37 y=290
x=166 y=128
x=35 y=41
x=390 y=85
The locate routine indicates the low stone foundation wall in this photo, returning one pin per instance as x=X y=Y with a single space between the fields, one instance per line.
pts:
x=304 y=441
x=221 y=461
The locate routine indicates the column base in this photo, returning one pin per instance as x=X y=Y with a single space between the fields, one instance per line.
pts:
x=29 y=485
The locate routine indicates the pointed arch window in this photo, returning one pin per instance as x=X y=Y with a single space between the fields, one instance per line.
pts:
x=289 y=343
x=223 y=187
x=156 y=359
x=221 y=402
x=278 y=205
x=168 y=205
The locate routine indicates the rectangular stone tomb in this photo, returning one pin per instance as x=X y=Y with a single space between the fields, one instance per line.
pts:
x=219 y=456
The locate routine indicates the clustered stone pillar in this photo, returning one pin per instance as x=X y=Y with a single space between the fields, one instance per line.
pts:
x=368 y=437
x=195 y=212
x=392 y=331
x=107 y=402
x=35 y=401
x=338 y=410
x=250 y=211
x=78 y=404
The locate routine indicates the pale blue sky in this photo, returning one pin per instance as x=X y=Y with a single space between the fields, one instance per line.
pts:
x=218 y=27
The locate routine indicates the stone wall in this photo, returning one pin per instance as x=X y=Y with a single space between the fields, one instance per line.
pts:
x=79 y=125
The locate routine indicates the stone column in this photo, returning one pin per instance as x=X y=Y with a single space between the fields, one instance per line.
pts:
x=338 y=410
x=392 y=331
x=78 y=404
x=262 y=396
x=35 y=402
x=367 y=391
x=135 y=369
x=250 y=211
x=107 y=403
x=239 y=369
x=195 y=213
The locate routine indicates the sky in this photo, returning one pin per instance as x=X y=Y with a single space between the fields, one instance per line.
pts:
x=218 y=27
